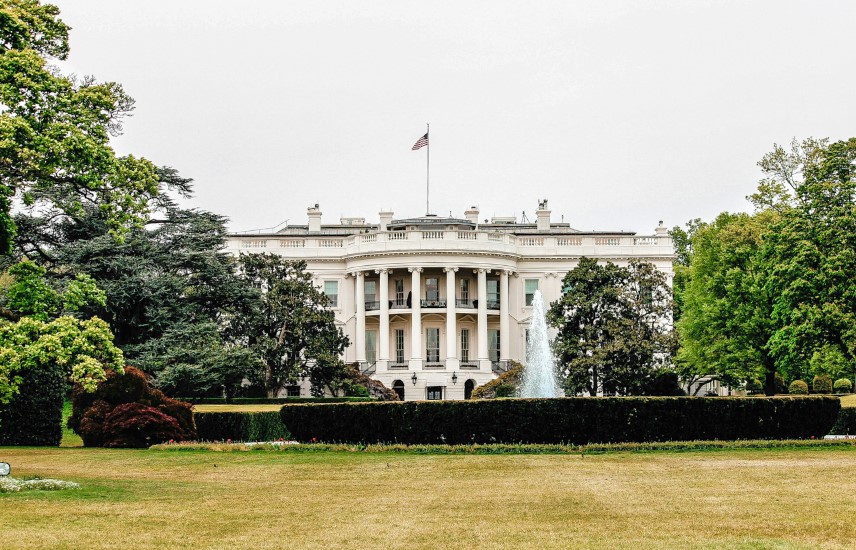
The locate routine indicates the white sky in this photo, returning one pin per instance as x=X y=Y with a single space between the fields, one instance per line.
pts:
x=620 y=113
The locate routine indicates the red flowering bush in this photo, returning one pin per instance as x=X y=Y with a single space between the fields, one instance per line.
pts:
x=126 y=411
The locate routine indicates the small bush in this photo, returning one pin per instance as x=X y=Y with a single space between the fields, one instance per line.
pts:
x=845 y=424
x=664 y=384
x=822 y=384
x=240 y=426
x=754 y=387
x=499 y=386
x=105 y=417
x=798 y=387
x=34 y=415
x=842 y=385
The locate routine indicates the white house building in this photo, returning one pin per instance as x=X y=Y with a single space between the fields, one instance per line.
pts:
x=436 y=306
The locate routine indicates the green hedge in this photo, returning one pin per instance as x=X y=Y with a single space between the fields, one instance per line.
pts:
x=34 y=416
x=572 y=420
x=846 y=422
x=239 y=426
x=271 y=400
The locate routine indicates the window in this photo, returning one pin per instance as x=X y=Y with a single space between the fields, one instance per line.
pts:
x=432 y=345
x=399 y=346
x=465 y=291
x=292 y=391
x=530 y=286
x=371 y=346
x=331 y=289
x=434 y=393
x=432 y=289
x=493 y=344
x=465 y=345
x=370 y=293
x=399 y=292
x=493 y=294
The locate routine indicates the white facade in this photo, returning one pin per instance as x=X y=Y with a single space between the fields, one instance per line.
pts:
x=434 y=306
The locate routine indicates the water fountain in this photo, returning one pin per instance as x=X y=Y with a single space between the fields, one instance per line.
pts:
x=539 y=372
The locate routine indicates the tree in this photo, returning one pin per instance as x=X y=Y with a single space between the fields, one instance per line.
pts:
x=55 y=130
x=682 y=241
x=725 y=324
x=809 y=257
x=614 y=327
x=31 y=294
x=289 y=327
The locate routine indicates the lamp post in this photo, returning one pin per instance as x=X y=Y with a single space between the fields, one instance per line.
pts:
x=413 y=378
x=454 y=378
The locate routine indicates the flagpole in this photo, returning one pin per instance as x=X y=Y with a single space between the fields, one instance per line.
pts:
x=428 y=171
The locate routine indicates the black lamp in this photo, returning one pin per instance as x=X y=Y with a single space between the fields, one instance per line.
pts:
x=413 y=378
x=454 y=378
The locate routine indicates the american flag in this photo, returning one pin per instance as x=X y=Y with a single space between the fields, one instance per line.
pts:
x=420 y=143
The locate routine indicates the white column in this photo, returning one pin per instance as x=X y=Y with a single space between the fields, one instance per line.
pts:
x=451 y=320
x=504 y=321
x=383 y=337
x=415 y=317
x=482 y=318
x=359 y=278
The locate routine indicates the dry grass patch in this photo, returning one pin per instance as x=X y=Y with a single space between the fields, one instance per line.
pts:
x=848 y=401
x=197 y=499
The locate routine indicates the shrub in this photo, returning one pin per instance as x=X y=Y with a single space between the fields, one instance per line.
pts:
x=134 y=425
x=240 y=426
x=564 y=420
x=102 y=418
x=754 y=387
x=798 y=387
x=34 y=415
x=845 y=424
x=842 y=385
x=498 y=386
x=664 y=383
x=780 y=385
x=822 y=383
x=272 y=400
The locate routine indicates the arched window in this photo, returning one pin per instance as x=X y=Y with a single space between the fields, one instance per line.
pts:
x=469 y=386
x=398 y=387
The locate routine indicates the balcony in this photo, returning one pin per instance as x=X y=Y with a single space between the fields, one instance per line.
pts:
x=466 y=304
x=372 y=305
x=469 y=365
x=438 y=303
x=433 y=363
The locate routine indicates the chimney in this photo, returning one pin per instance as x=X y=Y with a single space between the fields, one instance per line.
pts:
x=472 y=215
x=543 y=215
x=314 y=217
x=385 y=219
x=661 y=230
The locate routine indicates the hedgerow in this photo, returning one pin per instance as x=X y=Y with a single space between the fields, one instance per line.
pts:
x=240 y=426
x=564 y=420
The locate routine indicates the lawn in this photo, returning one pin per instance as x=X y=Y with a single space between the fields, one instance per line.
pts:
x=202 y=499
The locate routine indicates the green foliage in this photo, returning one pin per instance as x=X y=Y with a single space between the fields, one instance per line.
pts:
x=613 y=327
x=754 y=387
x=504 y=385
x=664 y=383
x=104 y=418
x=682 y=241
x=289 y=327
x=276 y=400
x=821 y=384
x=34 y=415
x=564 y=420
x=842 y=385
x=55 y=130
x=830 y=360
x=725 y=322
x=240 y=426
x=845 y=424
x=798 y=387
x=809 y=256
x=30 y=294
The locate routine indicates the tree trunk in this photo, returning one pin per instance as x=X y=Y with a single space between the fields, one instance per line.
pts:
x=770 y=382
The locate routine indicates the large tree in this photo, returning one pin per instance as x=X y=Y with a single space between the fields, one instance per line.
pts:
x=55 y=130
x=725 y=323
x=614 y=327
x=290 y=327
x=810 y=257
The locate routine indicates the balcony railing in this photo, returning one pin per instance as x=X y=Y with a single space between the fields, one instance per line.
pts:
x=439 y=303
x=432 y=363
x=465 y=303
x=493 y=304
x=367 y=367
x=471 y=365
x=499 y=366
x=372 y=305
x=398 y=366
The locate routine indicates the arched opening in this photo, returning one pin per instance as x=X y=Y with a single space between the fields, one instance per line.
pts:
x=469 y=386
x=398 y=387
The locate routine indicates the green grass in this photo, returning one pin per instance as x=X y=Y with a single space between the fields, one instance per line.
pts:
x=69 y=438
x=758 y=498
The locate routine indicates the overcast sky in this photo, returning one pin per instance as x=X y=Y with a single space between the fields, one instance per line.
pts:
x=620 y=113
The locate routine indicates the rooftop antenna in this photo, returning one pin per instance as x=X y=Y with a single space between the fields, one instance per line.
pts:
x=525 y=219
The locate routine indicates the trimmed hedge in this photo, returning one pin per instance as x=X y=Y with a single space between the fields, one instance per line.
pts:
x=798 y=387
x=239 y=426
x=846 y=422
x=271 y=400
x=843 y=385
x=34 y=415
x=574 y=420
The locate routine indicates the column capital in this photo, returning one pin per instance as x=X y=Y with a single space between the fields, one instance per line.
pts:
x=481 y=270
x=508 y=273
x=414 y=269
x=359 y=274
x=382 y=271
x=450 y=269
